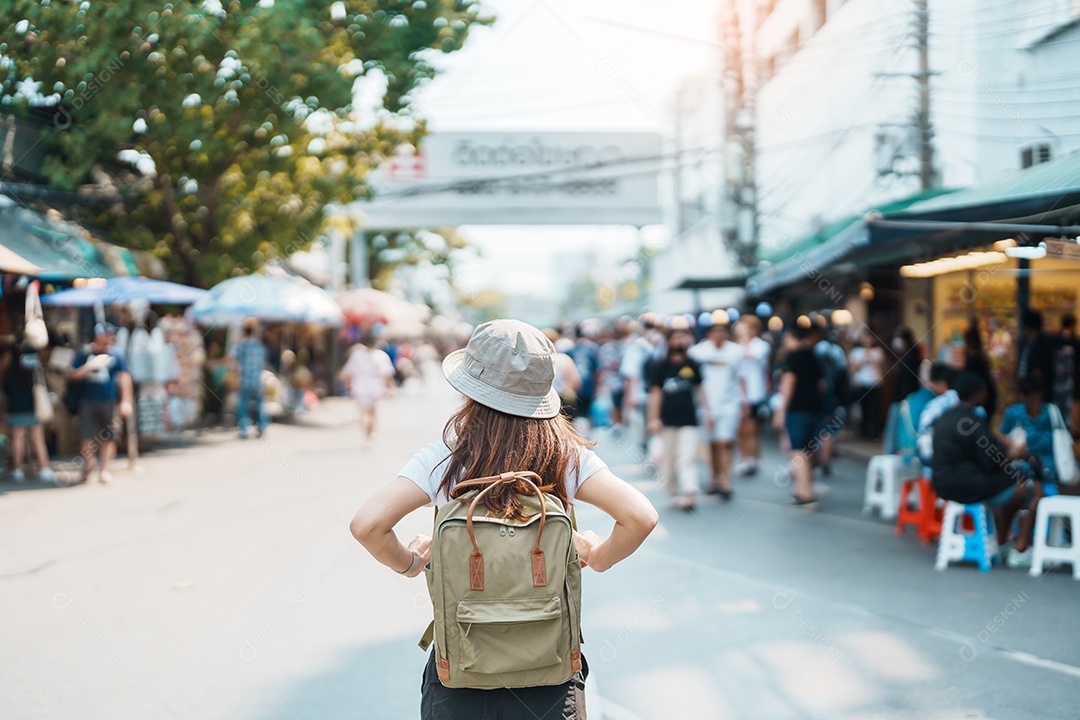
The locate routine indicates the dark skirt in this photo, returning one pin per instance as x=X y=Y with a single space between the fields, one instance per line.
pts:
x=552 y=702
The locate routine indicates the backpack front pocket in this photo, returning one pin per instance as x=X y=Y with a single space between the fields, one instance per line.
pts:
x=506 y=635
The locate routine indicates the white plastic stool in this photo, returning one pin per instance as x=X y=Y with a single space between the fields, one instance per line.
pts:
x=884 y=474
x=1059 y=507
x=979 y=546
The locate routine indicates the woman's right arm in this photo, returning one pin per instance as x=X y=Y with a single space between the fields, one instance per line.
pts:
x=634 y=516
x=373 y=526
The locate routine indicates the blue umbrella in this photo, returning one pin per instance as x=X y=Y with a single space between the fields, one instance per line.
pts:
x=126 y=289
x=268 y=298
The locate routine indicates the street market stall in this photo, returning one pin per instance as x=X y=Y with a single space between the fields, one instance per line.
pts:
x=164 y=354
x=366 y=308
x=297 y=319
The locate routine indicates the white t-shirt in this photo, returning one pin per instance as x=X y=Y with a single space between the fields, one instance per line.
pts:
x=754 y=370
x=719 y=372
x=425 y=470
x=869 y=374
x=368 y=369
x=638 y=353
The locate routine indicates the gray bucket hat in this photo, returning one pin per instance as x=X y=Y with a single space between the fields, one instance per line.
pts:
x=509 y=366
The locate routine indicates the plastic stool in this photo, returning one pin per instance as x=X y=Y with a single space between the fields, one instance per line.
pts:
x=883 y=473
x=1059 y=508
x=926 y=518
x=979 y=545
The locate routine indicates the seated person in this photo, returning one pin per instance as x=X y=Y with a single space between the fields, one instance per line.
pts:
x=972 y=465
x=910 y=409
x=1035 y=419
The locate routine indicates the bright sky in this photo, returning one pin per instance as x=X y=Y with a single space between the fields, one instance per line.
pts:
x=559 y=65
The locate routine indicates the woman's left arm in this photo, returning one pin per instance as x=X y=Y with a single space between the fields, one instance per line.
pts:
x=373 y=526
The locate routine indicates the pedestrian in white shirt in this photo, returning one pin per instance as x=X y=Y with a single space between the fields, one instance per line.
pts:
x=867 y=362
x=641 y=350
x=724 y=391
x=368 y=375
x=754 y=373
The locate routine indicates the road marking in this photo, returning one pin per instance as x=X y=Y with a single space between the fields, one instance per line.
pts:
x=1019 y=656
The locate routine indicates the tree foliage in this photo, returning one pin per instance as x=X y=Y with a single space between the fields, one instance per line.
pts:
x=245 y=108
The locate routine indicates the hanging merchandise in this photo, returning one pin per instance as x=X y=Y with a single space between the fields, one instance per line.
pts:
x=43 y=402
x=35 y=333
x=123 y=339
x=162 y=358
x=151 y=411
x=139 y=360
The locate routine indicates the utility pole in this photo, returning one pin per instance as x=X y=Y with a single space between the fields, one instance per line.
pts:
x=920 y=123
x=925 y=130
x=740 y=192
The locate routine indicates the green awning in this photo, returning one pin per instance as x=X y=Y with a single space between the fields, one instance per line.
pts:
x=1040 y=201
x=821 y=249
x=1060 y=176
x=837 y=227
x=61 y=256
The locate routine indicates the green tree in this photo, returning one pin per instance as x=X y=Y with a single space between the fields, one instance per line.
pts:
x=388 y=251
x=245 y=107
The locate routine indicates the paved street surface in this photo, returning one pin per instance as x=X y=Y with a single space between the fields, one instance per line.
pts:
x=220 y=581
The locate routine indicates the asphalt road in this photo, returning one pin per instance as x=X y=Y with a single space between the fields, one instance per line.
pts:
x=220 y=581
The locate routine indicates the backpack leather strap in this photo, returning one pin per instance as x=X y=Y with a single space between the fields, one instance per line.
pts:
x=429 y=635
x=476 y=559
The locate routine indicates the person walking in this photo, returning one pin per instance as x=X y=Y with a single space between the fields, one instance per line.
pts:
x=641 y=349
x=368 y=375
x=1067 y=369
x=249 y=358
x=675 y=397
x=584 y=355
x=724 y=392
x=802 y=402
x=510 y=421
x=610 y=383
x=105 y=380
x=754 y=374
x=908 y=356
x=867 y=369
x=977 y=361
x=24 y=369
x=834 y=365
x=1036 y=360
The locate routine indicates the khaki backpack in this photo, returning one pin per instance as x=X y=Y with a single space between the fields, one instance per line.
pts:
x=506 y=593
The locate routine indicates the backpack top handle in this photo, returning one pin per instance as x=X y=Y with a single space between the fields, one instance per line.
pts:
x=476 y=559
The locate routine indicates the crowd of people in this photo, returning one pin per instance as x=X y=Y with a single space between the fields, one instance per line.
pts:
x=676 y=385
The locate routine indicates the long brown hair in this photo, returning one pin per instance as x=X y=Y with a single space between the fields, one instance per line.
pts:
x=485 y=442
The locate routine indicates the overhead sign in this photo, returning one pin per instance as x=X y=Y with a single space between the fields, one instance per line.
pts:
x=518 y=179
x=1061 y=250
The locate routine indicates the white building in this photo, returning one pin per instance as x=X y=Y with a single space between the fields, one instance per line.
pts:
x=839 y=96
x=697 y=212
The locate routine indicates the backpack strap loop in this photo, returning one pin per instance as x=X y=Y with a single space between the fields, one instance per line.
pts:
x=476 y=559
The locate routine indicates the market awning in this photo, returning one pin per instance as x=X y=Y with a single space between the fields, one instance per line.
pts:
x=58 y=256
x=268 y=298
x=1044 y=199
x=126 y=289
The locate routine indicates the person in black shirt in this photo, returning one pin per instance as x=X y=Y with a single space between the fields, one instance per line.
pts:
x=675 y=396
x=802 y=393
x=977 y=361
x=1036 y=354
x=1067 y=370
x=974 y=465
x=23 y=369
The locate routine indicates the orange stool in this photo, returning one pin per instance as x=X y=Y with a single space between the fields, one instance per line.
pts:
x=926 y=518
